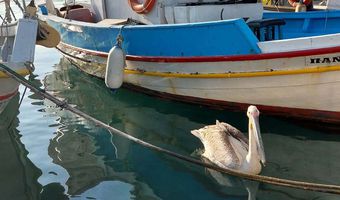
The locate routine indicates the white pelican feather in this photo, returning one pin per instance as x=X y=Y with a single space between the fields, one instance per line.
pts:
x=227 y=147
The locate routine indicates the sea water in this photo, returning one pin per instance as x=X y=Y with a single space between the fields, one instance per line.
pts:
x=49 y=153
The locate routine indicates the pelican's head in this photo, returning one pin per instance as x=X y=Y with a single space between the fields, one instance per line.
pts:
x=254 y=128
x=253 y=111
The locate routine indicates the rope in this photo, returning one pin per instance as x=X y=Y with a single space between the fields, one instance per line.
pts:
x=276 y=4
x=19 y=5
x=8 y=11
x=22 y=96
x=120 y=39
x=10 y=8
x=334 y=189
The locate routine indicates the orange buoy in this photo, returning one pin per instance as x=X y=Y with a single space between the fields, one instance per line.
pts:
x=142 y=8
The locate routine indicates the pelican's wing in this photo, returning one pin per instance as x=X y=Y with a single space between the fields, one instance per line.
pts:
x=232 y=131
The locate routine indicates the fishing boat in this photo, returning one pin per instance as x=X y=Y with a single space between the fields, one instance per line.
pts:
x=321 y=20
x=17 y=46
x=220 y=54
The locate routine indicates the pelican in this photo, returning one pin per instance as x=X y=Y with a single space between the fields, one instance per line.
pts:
x=227 y=147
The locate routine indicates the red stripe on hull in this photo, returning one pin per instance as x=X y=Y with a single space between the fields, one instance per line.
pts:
x=292 y=113
x=7 y=96
x=263 y=56
x=250 y=57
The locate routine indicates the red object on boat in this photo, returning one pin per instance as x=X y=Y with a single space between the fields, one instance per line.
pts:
x=80 y=14
x=142 y=8
x=294 y=3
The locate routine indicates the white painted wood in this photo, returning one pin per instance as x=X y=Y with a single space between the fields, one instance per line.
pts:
x=121 y=9
x=24 y=43
x=169 y=14
x=181 y=14
x=8 y=86
x=8 y=30
x=333 y=4
x=318 y=91
x=304 y=91
x=175 y=12
x=50 y=7
x=98 y=6
x=190 y=14
x=315 y=42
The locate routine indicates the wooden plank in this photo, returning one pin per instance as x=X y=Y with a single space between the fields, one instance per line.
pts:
x=113 y=21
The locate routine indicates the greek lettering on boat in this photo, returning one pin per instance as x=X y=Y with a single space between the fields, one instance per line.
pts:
x=326 y=60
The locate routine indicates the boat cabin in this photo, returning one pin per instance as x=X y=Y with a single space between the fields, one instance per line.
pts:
x=184 y=11
x=165 y=11
x=175 y=12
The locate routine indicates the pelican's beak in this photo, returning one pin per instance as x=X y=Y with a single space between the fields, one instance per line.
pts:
x=257 y=133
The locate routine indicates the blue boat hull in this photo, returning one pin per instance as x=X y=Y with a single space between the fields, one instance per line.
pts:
x=304 y=24
x=228 y=37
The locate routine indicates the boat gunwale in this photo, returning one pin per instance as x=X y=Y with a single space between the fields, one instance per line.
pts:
x=248 y=57
x=61 y=20
x=245 y=74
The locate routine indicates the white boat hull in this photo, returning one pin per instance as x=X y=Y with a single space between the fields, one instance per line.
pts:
x=9 y=86
x=300 y=86
x=8 y=89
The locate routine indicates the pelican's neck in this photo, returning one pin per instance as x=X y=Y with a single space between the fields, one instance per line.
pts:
x=252 y=152
x=252 y=163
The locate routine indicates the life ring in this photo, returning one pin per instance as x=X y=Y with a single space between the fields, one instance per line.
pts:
x=294 y=3
x=142 y=8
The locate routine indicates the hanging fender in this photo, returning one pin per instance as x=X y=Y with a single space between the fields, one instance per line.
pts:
x=115 y=68
x=142 y=8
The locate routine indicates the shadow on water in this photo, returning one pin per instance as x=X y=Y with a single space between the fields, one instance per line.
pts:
x=101 y=165
x=18 y=174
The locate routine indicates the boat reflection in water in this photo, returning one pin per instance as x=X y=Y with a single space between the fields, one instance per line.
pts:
x=103 y=165
x=18 y=174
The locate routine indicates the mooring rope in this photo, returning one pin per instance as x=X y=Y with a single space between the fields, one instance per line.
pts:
x=334 y=189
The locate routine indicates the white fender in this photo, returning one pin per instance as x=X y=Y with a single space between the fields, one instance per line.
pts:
x=115 y=68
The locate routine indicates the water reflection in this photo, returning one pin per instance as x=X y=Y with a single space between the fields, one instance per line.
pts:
x=98 y=161
x=18 y=175
x=232 y=184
